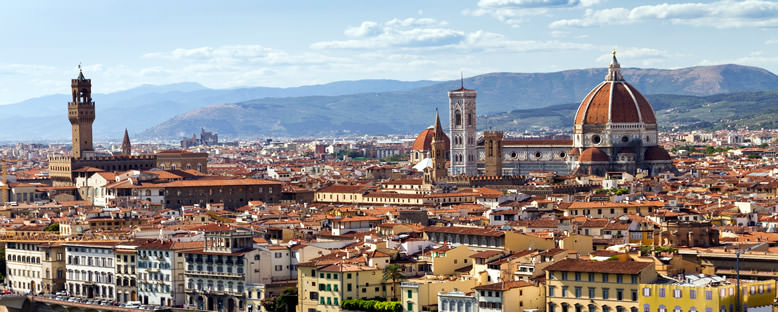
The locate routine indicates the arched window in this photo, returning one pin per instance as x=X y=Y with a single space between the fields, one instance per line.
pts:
x=458 y=118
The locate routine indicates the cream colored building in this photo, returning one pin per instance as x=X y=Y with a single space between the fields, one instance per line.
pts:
x=596 y=286
x=33 y=267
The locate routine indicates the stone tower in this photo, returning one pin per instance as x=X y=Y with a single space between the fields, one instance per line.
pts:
x=462 y=136
x=81 y=113
x=438 y=151
x=126 y=146
x=493 y=153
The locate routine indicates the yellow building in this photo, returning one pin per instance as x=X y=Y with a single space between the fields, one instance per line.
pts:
x=575 y=285
x=324 y=287
x=706 y=294
x=517 y=241
x=421 y=294
x=510 y=296
x=447 y=260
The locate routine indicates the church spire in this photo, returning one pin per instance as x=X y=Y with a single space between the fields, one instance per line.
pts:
x=126 y=147
x=614 y=69
x=438 y=130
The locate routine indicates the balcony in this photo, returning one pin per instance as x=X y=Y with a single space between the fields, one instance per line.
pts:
x=213 y=273
x=152 y=270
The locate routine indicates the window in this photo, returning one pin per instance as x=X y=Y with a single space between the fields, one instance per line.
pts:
x=677 y=309
x=551 y=291
x=564 y=276
x=619 y=278
x=660 y=292
x=591 y=292
x=578 y=292
x=723 y=292
x=605 y=277
x=591 y=277
x=677 y=293
x=605 y=293
x=692 y=294
x=708 y=295
x=348 y=275
x=279 y=267
x=314 y=295
x=634 y=294
x=410 y=306
x=348 y=287
x=619 y=294
x=646 y=308
x=646 y=292
x=564 y=291
x=577 y=276
x=634 y=279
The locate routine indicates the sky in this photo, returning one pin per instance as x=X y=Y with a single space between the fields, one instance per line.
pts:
x=229 y=44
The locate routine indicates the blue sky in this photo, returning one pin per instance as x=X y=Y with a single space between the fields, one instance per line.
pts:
x=226 y=44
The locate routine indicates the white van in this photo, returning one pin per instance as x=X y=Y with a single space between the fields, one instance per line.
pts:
x=132 y=304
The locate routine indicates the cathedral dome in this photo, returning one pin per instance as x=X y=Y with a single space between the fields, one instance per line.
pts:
x=656 y=153
x=592 y=154
x=423 y=141
x=614 y=101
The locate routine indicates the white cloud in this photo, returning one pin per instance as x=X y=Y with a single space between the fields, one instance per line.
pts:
x=719 y=14
x=367 y=28
x=409 y=32
x=513 y=12
x=771 y=41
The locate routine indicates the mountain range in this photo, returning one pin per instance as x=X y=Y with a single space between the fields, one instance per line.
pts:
x=754 y=110
x=363 y=106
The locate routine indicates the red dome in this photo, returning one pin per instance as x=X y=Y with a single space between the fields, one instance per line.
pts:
x=423 y=142
x=614 y=101
x=656 y=153
x=593 y=154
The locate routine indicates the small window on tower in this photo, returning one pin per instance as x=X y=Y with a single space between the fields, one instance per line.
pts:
x=458 y=118
x=470 y=119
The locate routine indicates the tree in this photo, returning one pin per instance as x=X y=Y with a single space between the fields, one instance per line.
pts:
x=393 y=272
x=54 y=227
x=287 y=300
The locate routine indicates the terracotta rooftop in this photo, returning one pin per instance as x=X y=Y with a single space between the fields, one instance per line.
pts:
x=616 y=267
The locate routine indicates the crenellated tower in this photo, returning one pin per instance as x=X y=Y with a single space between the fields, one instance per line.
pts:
x=81 y=113
x=493 y=153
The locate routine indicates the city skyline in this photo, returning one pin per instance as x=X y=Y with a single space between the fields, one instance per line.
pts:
x=243 y=44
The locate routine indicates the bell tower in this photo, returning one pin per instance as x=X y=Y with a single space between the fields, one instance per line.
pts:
x=462 y=130
x=81 y=113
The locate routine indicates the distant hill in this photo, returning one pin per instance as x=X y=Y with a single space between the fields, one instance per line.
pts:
x=345 y=107
x=140 y=108
x=412 y=110
x=754 y=110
